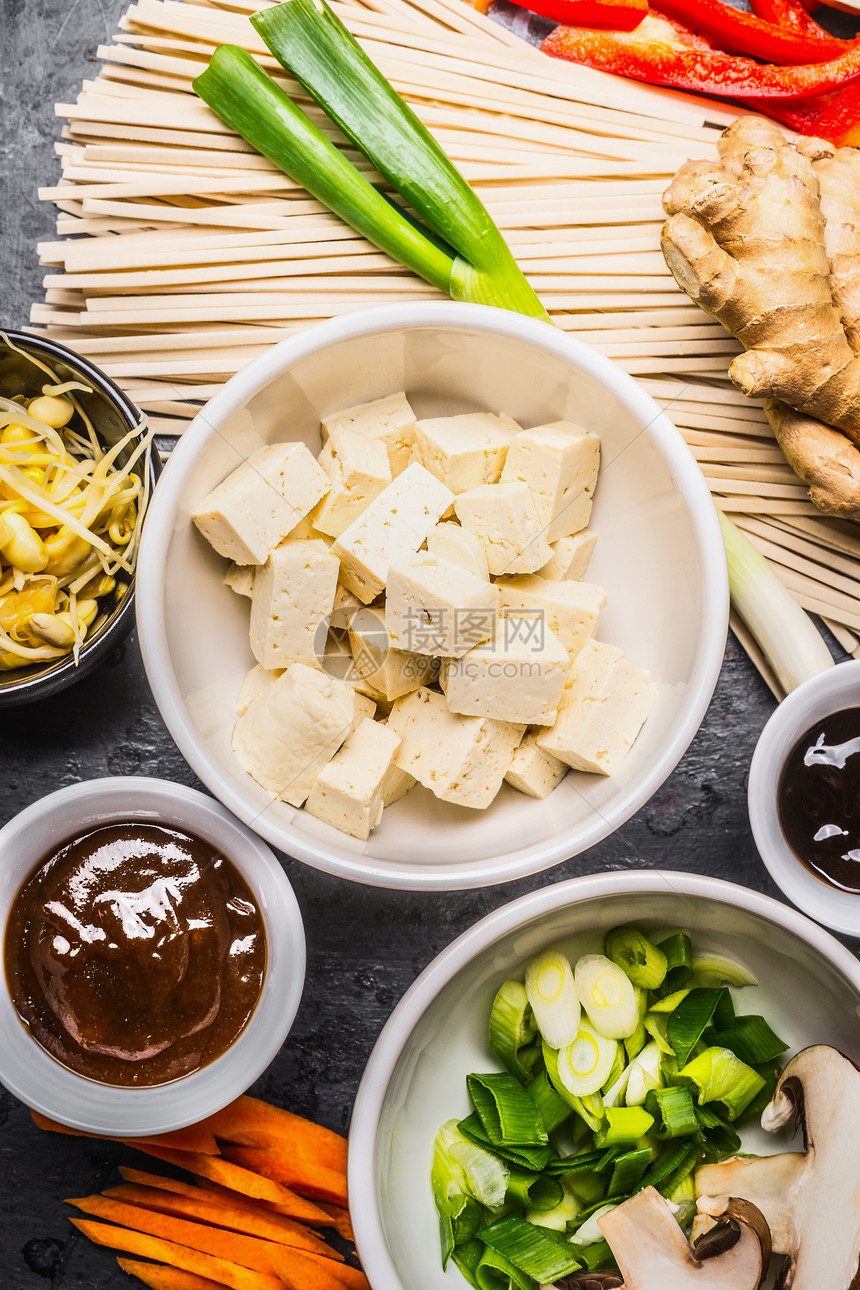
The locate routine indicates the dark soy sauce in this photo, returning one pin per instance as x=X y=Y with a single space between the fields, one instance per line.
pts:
x=818 y=799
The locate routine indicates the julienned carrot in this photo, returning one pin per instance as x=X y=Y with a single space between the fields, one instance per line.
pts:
x=244 y=1181
x=158 y=1276
x=195 y=1138
x=158 y=1180
x=293 y=1266
x=340 y=1220
x=221 y=1271
x=352 y=1278
x=207 y=1207
x=248 y=1122
x=294 y=1172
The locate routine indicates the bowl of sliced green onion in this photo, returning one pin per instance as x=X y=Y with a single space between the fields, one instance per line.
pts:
x=77 y=467
x=576 y=1048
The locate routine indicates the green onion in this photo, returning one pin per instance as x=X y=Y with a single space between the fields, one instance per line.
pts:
x=627 y=1172
x=598 y=1255
x=495 y=1272
x=679 y=964
x=511 y=1026
x=720 y=1140
x=591 y=1114
x=657 y=1026
x=534 y=1158
x=553 y=1109
x=716 y=969
x=751 y=1039
x=789 y=639
x=585 y=1064
x=634 y=1043
x=564 y=1212
x=673 y=1111
x=721 y=1077
x=645 y=1074
x=624 y=1126
x=670 y=1002
x=462 y=1167
x=535 y=1191
x=553 y=997
x=687 y=1024
x=508 y=1115
x=542 y=1253
x=467 y=1257
x=607 y=995
x=241 y=94
x=643 y=962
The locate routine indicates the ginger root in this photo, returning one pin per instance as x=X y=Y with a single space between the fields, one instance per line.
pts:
x=768 y=242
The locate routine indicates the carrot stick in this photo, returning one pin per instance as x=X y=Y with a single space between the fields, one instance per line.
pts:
x=352 y=1278
x=158 y=1180
x=207 y=1207
x=248 y=1122
x=307 y=1178
x=158 y=1276
x=340 y=1220
x=196 y=1137
x=299 y=1270
x=243 y=1181
x=178 y=1256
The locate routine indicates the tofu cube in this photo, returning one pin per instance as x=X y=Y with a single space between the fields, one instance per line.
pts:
x=559 y=462
x=240 y=578
x=534 y=771
x=450 y=541
x=358 y=469
x=569 y=609
x=345 y=605
x=391 y=420
x=292 y=600
x=511 y=678
x=460 y=759
x=570 y=557
x=464 y=451
x=396 y=523
x=397 y=784
x=435 y=607
x=256 y=682
x=349 y=793
x=602 y=711
x=505 y=520
x=292 y=730
x=390 y=671
x=255 y=507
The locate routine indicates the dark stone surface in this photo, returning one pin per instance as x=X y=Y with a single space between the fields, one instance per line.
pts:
x=365 y=945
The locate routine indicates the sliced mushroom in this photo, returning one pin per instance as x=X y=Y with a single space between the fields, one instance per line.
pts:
x=652 y=1252
x=810 y=1199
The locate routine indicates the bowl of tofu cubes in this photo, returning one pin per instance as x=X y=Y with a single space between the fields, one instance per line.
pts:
x=432 y=596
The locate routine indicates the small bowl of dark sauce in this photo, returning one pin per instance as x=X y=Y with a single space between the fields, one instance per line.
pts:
x=804 y=797
x=153 y=956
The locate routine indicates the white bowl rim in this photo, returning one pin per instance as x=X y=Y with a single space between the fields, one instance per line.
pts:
x=361 y=1165
x=801 y=709
x=113 y=1110
x=152 y=561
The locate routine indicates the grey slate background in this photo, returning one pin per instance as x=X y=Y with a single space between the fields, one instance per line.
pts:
x=365 y=945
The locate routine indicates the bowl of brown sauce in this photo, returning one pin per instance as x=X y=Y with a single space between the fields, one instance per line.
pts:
x=153 y=956
x=804 y=797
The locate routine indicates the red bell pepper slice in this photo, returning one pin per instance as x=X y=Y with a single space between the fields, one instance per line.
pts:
x=617 y=15
x=788 y=14
x=661 y=52
x=839 y=120
x=743 y=33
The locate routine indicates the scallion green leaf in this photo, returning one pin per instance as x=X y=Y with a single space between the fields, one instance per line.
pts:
x=678 y=950
x=627 y=1172
x=719 y=1076
x=751 y=1039
x=687 y=1023
x=512 y=1026
x=624 y=1126
x=534 y=1191
x=509 y=1116
x=673 y=1111
x=542 y=1253
x=643 y=962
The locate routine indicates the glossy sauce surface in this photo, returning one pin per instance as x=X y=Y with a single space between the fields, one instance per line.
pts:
x=818 y=799
x=135 y=954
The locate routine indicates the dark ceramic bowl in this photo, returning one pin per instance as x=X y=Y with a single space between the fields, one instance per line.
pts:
x=112 y=415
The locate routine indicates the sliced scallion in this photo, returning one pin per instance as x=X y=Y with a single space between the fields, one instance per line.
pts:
x=719 y=1076
x=584 y=1064
x=535 y=1158
x=751 y=1039
x=553 y=1109
x=673 y=1111
x=539 y=1251
x=679 y=963
x=716 y=969
x=688 y=1022
x=508 y=1115
x=564 y=1212
x=627 y=1172
x=541 y=1192
x=645 y=1074
x=512 y=1026
x=643 y=962
x=495 y=1272
x=607 y=995
x=624 y=1126
x=552 y=994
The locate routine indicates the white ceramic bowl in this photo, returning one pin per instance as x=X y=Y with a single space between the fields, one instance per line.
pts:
x=37 y=1079
x=830 y=691
x=809 y=990
x=659 y=555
